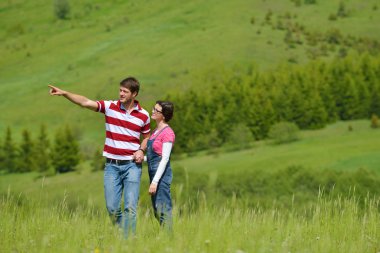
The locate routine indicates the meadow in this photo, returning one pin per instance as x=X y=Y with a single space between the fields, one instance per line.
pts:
x=317 y=194
x=66 y=212
x=338 y=225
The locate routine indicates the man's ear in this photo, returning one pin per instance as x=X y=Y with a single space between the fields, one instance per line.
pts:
x=134 y=94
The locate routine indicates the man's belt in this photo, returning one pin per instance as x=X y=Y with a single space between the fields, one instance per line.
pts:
x=118 y=162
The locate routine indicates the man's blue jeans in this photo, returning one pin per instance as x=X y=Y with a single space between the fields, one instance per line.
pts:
x=116 y=179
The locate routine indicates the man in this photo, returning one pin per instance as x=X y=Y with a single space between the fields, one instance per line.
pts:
x=125 y=122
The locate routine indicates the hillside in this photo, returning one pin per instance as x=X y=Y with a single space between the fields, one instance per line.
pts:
x=333 y=148
x=168 y=45
x=329 y=151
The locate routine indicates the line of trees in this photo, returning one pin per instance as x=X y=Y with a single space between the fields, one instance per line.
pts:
x=39 y=155
x=310 y=96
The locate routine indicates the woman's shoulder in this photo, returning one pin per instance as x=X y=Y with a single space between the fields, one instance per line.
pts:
x=168 y=132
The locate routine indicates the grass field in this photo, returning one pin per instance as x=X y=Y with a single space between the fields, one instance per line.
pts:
x=172 y=46
x=66 y=213
x=330 y=226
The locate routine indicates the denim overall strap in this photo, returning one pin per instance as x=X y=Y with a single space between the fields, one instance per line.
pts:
x=150 y=152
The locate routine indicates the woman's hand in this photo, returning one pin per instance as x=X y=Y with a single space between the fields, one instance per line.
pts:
x=152 y=188
x=138 y=156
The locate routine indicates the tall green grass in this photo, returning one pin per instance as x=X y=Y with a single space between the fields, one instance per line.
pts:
x=329 y=225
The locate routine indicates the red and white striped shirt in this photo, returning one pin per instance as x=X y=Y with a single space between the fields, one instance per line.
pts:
x=123 y=129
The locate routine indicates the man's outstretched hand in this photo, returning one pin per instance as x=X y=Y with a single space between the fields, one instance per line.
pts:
x=54 y=91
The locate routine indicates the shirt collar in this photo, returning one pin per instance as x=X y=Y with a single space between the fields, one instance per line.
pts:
x=136 y=107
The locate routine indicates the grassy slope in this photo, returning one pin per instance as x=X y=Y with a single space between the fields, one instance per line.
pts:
x=66 y=213
x=166 y=44
x=333 y=148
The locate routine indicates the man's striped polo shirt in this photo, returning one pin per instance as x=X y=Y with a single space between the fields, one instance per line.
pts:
x=123 y=129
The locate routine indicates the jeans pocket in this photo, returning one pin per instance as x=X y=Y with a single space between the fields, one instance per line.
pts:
x=134 y=173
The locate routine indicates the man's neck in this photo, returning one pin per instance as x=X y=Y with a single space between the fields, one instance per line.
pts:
x=129 y=105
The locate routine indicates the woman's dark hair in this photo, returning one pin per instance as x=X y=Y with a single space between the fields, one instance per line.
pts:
x=167 y=109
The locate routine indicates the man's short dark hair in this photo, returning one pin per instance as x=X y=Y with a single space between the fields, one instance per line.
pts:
x=167 y=109
x=131 y=84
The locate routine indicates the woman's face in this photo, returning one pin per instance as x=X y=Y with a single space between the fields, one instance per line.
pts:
x=157 y=112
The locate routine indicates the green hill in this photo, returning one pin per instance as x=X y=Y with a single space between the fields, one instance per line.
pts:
x=168 y=45
x=331 y=157
x=333 y=148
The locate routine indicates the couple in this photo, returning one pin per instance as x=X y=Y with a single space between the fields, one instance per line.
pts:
x=126 y=120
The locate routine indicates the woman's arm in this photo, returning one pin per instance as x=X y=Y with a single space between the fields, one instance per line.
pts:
x=166 y=150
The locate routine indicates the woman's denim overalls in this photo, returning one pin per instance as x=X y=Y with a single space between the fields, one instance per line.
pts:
x=161 y=201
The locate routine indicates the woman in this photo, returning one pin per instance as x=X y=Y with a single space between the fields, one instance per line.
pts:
x=159 y=147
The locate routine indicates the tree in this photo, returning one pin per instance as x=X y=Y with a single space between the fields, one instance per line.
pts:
x=282 y=97
x=365 y=99
x=350 y=101
x=311 y=111
x=66 y=151
x=260 y=115
x=61 y=8
x=375 y=99
x=328 y=101
x=317 y=115
x=27 y=159
x=42 y=150
x=10 y=152
x=2 y=156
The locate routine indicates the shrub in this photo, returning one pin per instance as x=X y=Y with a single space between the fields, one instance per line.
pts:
x=284 y=132
x=333 y=36
x=61 y=8
x=97 y=162
x=297 y=2
x=310 y=1
x=240 y=136
x=292 y=59
x=332 y=17
x=17 y=29
x=375 y=121
x=342 y=12
x=268 y=16
x=252 y=20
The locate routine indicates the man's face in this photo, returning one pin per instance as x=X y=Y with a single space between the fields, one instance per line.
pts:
x=126 y=95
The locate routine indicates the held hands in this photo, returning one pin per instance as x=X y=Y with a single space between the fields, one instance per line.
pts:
x=152 y=188
x=138 y=156
x=54 y=91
